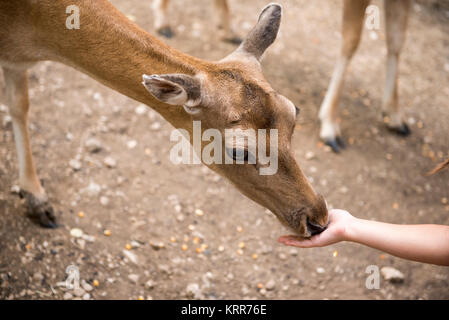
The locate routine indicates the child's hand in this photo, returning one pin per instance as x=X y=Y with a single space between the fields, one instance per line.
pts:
x=339 y=220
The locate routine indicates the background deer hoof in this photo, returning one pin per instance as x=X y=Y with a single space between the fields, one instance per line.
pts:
x=39 y=211
x=402 y=130
x=166 y=32
x=336 y=144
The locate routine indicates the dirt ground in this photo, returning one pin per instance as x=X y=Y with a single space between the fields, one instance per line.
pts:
x=149 y=205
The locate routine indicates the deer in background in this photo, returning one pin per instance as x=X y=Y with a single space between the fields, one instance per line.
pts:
x=162 y=25
x=230 y=93
x=396 y=14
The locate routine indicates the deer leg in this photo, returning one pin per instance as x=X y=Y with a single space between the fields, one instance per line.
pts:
x=16 y=84
x=224 y=18
x=396 y=13
x=353 y=17
x=160 y=18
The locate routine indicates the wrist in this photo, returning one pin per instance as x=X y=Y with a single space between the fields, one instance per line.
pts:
x=350 y=230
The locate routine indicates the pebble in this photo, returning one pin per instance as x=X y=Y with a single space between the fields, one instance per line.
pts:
x=93 y=145
x=110 y=162
x=149 y=284
x=38 y=276
x=391 y=274
x=104 y=200
x=93 y=189
x=67 y=296
x=270 y=285
x=131 y=144
x=193 y=291
x=131 y=256
x=310 y=155
x=320 y=270
x=157 y=245
x=15 y=189
x=75 y=164
x=76 y=233
x=86 y=286
x=141 y=109
x=155 y=126
x=79 y=292
x=86 y=296
x=133 y=277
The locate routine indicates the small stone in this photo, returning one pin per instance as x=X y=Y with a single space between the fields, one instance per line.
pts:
x=15 y=189
x=270 y=285
x=282 y=256
x=104 y=200
x=75 y=164
x=79 y=292
x=131 y=256
x=149 y=284
x=93 y=145
x=38 y=276
x=141 y=109
x=86 y=286
x=157 y=245
x=76 y=233
x=199 y=212
x=81 y=243
x=67 y=296
x=110 y=162
x=107 y=232
x=193 y=291
x=344 y=189
x=155 y=126
x=320 y=270
x=391 y=274
x=93 y=189
x=131 y=144
x=133 y=277
x=310 y=155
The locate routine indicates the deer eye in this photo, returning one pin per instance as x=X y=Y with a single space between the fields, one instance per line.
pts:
x=242 y=155
x=297 y=111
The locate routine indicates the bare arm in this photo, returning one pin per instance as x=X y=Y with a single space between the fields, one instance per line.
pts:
x=424 y=243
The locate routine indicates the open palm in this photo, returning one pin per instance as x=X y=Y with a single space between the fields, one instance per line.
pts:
x=335 y=232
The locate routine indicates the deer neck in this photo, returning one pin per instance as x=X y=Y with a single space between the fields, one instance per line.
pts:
x=113 y=50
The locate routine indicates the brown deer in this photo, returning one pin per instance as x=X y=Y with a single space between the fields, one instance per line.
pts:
x=396 y=14
x=230 y=93
x=162 y=25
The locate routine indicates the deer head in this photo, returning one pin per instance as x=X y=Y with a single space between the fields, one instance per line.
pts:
x=233 y=94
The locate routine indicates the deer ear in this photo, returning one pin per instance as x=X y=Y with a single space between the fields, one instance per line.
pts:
x=174 y=89
x=264 y=32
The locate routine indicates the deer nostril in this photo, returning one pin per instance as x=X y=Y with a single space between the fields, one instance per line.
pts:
x=314 y=228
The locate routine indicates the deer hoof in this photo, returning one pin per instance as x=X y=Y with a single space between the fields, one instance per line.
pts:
x=336 y=144
x=402 y=130
x=40 y=211
x=166 y=32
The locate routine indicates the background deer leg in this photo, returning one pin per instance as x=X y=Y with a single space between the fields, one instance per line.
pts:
x=160 y=18
x=224 y=19
x=396 y=14
x=353 y=17
x=16 y=84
